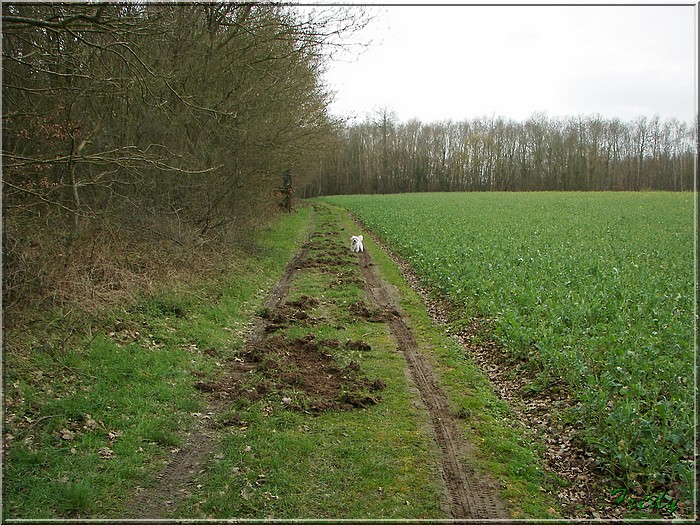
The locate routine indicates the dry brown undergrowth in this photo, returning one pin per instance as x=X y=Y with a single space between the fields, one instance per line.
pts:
x=52 y=292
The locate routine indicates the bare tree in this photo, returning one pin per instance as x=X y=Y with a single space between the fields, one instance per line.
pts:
x=575 y=153
x=165 y=122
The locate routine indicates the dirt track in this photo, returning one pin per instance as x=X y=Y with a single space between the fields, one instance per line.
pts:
x=468 y=495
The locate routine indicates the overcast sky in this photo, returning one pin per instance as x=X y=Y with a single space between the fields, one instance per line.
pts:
x=462 y=62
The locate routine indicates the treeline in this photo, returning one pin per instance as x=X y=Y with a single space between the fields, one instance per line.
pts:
x=137 y=128
x=590 y=153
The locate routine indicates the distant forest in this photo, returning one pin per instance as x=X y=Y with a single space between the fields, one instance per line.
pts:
x=583 y=153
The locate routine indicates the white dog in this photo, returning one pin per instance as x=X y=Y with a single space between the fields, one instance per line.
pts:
x=356 y=243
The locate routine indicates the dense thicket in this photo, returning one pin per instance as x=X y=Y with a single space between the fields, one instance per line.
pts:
x=161 y=127
x=382 y=155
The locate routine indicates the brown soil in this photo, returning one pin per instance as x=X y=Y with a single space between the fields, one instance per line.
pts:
x=302 y=372
x=373 y=315
x=292 y=312
x=177 y=478
x=323 y=253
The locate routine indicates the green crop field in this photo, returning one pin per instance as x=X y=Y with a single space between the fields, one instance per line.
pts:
x=594 y=289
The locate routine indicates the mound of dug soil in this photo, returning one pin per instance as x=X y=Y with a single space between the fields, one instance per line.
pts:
x=301 y=374
x=294 y=312
x=373 y=315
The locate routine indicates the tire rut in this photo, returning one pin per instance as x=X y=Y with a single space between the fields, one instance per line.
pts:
x=175 y=480
x=469 y=495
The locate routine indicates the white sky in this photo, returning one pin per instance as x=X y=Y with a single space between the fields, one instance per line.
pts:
x=462 y=62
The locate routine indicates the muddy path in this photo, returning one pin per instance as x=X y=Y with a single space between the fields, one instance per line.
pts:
x=326 y=385
x=469 y=495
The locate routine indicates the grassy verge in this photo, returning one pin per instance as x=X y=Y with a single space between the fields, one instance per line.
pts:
x=86 y=423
